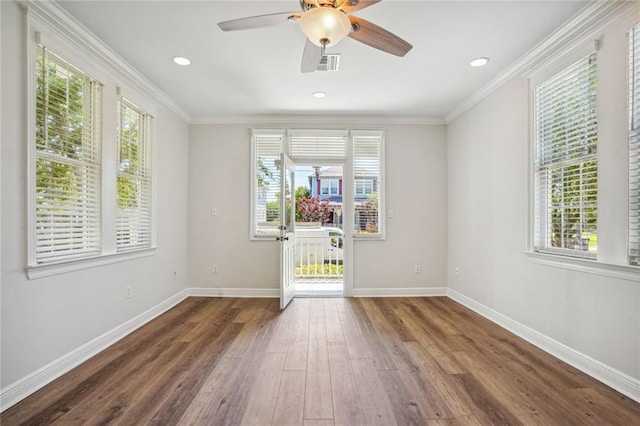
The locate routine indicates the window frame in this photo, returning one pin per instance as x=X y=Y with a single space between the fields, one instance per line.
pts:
x=88 y=167
x=381 y=186
x=148 y=124
x=346 y=162
x=633 y=249
x=541 y=75
x=253 y=229
x=102 y=68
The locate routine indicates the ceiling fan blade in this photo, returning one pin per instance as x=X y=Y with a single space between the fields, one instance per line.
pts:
x=351 y=6
x=377 y=37
x=311 y=57
x=260 y=21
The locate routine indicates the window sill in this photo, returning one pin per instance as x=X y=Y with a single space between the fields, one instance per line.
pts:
x=42 y=271
x=613 y=270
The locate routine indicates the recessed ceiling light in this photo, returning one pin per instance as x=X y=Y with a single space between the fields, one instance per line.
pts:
x=479 y=62
x=319 y=94
x=181 y=60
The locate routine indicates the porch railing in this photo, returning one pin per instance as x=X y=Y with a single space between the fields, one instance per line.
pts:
x=319 y=257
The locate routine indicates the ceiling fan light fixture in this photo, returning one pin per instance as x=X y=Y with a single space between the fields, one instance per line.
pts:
x=325 y=23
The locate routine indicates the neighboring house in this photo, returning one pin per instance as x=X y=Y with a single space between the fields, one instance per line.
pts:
x=327 y=185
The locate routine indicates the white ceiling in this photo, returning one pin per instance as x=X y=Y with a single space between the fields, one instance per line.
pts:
x=257 y=72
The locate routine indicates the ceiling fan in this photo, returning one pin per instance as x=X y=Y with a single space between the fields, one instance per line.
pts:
x=325 y=23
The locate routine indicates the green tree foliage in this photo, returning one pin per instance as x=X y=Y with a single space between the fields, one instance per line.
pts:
x=129 y=157
x=264 y=175
x=60 y=103
x=572 y=167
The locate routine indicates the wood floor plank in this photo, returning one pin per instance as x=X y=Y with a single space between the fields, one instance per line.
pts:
x=354 y=338
x=263 y=394
x=375 y=403
x=299 y=343
x=318 y=402
x=231 y=400
x=347 y=409
x=229 y=361
x=319 y=422
x=409 y=382
x=289 y=409
x=204 y=404
x=440 y=382
x=380 y=355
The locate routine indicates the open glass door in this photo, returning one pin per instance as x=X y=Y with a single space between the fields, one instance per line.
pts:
x=287 y=231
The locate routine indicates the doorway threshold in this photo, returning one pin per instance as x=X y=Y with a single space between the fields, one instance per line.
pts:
x=319 y=288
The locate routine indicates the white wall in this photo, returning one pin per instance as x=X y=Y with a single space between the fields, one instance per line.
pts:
x=488 y=175
x=219 y=176
x=44 y=319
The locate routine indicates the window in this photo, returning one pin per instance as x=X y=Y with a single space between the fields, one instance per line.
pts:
x=566 y=168
x=67 y=155
x=364 y=186
x=309 y=146
x=133 y=187
x=267 y=147
x=368 y=176
x=329 y=186
x=634 y=145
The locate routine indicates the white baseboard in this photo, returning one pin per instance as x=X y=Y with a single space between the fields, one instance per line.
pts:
x=618 y=380
x=24 y=387
x=234 y=292
x=399 y=292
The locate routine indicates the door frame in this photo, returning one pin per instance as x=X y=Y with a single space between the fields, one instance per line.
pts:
x=347 y=211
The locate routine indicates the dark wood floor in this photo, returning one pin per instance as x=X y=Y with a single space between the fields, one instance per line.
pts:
x=404 y=361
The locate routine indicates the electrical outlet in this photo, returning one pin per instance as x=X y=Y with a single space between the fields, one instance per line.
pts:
x=214 y=212
x=457 y=270
x=214 y=268
x=417 y=269
x=390 y=214
x=129 y=292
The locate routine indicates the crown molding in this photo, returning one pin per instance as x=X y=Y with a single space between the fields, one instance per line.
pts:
x=65 y=24
x=591 y=18
x=319 y=119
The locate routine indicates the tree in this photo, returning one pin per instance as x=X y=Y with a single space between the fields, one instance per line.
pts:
x=301 y=192
x=368 y=214
x=313 y=210
x=60 y=118
x=263 y=174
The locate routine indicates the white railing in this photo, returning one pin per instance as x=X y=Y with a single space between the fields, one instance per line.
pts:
x=318 y=257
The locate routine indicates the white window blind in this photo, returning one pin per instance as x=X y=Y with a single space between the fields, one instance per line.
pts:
x=325 y=144
x=634 y=145
x=267 y=148
x=133 y=192
x=368 y=178
x=566 y=170
x=67 y=161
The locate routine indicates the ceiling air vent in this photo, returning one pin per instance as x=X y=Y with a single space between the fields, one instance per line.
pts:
x=329 y=62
